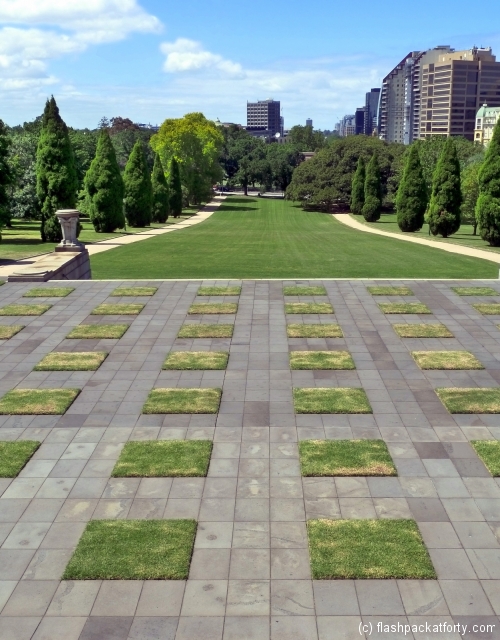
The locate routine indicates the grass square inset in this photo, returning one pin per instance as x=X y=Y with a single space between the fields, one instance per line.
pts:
x=404 y=307
x=24 y=309
x=213 y=307
x=304 y=291
x=183 y=401
x=314 y=331
x=422 y=331
x=446 y=360
x=390 y=291
x=40 y=402
x=331 y=400
x=133 y=550
x=368 y=549
x=308 y=307
x=488 y=309
x=475 y=400
x=118 y=310
x=189 y=360
x=71 y=361
x=218 y=291
x=206 y=331
x=49 y=292
x=15 y=455
x=134 y=291
x=97 y=331
x=474 y=291
x=345 y=458
x=10 y=331
x=164 y=458
x=321 y=360
x=489 y=452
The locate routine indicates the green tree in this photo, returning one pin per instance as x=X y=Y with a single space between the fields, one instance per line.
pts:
x=358 y=187
x=373 y=191
x=22 y=162
x=488 y=203
x=104 y=188
x=138 y=199
x=282 y=160
x=175 y=188
x=411 y=201
x=470 y=191
x=161 y=196
x=6 y=177
x=57 y=181
x=443 y=215
x=305 y=138
x=84 y=144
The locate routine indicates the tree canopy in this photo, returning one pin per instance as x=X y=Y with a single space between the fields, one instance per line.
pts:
x=161 y=196
x=6 y=176
x=446 y=197
x=138 y=199
x=411 y=201
x=488 y=203
x=305 y=138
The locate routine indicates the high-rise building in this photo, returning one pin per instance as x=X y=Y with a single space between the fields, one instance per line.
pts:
x=264 y=115
x=486 y=119
x=309 y=122
x=347 y=126
x=359 y=117
x=371 y=112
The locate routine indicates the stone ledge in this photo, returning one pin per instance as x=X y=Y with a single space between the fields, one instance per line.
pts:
x=62 y=265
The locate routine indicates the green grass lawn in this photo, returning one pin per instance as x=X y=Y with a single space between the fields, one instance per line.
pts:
x=192 y=360
x=314 y=331
x=71 y=361
x=271 y=238
x=183 y=401
x=345 y=458
x=15 y=455
x=321 y=360
x=8 y=331
x=164 y=458
x=489 y=452
x=50 y=402
x=447 y=360
x=331 y=400
x=474 y=400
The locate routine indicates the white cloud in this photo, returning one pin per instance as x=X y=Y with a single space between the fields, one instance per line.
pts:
x=189 y=55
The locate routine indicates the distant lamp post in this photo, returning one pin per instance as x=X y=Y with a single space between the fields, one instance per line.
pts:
x=69 y=218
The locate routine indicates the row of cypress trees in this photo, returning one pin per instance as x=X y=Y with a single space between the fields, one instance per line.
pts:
x=366 y=194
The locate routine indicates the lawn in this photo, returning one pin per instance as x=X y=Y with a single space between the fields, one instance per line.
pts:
x=474 y=400
x=314 y=331
x=8 y=331
x=37 y=401
x=331 y=400
x=446 y=360
x=97 y=331
x=71 y=361
x=183 y=401
x=206 y=331
x=192 y=360
x=15 y=455
x=321 y=360
x=273 y=238
x=164 y=458
x=345 y=458
x=489 y=452
x=422 y=331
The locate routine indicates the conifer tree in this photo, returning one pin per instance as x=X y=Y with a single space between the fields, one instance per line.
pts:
x=175 y=189
x=373 y=191
x=6 y=177
x=56 y=175
x=138 y=191
x=488 y=203
x=161 y=196
x=358 y=188
x=104 y=188
x=446 y=197
x=411 y=200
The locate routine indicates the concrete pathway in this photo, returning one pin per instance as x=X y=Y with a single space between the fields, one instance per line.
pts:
x=451 y=248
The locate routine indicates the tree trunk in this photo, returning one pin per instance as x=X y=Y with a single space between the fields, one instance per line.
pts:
x=475 y=228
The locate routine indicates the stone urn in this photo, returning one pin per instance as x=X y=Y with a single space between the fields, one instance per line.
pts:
x=68 y=219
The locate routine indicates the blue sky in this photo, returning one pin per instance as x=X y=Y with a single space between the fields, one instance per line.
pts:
x=149 y=60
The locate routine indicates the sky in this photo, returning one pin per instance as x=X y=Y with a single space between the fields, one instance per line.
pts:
x=149 y=60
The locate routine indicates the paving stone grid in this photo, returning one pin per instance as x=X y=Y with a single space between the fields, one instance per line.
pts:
x=250 y=577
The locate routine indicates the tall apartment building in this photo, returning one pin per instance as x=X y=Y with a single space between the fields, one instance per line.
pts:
x=371 y=112
x=309 y=122
x=486 y=120
x=347 y=126
x=359 y=118
x=264 y=115
x=453 y=89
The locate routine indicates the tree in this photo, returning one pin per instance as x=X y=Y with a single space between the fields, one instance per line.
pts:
x=175 y=189
x=411 y=201
x=104 y=188
x=6 y=176
x=282 y=160
x=138 y=199
x=305 y=138
x=358 y=187
x=444 y=209
x=488 y=203
x=470 y=191
x=373 y=191
x=56 y=178
x=161 y=196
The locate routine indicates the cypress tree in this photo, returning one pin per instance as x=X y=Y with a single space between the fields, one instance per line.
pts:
x=373 y=191
x=446 y=196
x=161 y=196
x=488 y=203
x=104 y=187
x=411 y=200
x=56 y=176
x=6 y=177
x=358 y=188
x=138 y=191
x=175 y=189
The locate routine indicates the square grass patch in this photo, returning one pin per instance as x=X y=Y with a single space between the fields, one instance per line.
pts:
x=134 y=291
x=403 y=307
x=314 y=331
x=133 y=550
x=219 y=291
x=308 y=307
x=189 y=360
x=474 y=291
x=10 y=331
x=206 y=331
x=331 y=400
x=98 y=331
x=304 y=291
x=446 y=360
x=476 y=400
x=71 y=361
x=345 y=458
x=492 y=309
x=164 y=458
x=24 y=309
x=40 y=402
x=49 y=292
x=321 y=360
x=489 y=452
x=368 y=549
x=118 y=310
x=390 y=291
x=214 y=307
x=15 y=455
x=183 y=401
x=422 y=330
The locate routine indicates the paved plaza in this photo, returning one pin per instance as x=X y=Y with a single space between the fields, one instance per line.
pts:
x=250 y=575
